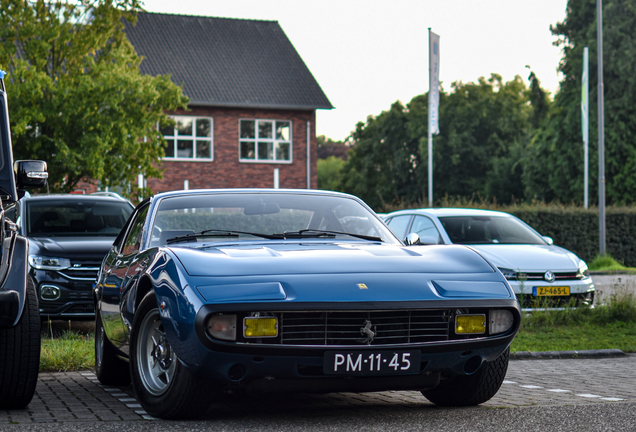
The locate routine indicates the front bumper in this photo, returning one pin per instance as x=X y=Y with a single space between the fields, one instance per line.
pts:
x=274 y=365
x=581 y=293
x=281 y=373
x=62 y=298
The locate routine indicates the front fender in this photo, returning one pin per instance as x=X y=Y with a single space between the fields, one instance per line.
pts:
x=14 y=285
x=178 y=305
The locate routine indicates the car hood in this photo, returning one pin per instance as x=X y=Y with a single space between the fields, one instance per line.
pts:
x=327 y=258
x=88 y=248
x=347 y=272
x=529 y=258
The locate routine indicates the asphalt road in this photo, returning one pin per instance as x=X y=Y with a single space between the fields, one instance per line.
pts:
x=555 y=395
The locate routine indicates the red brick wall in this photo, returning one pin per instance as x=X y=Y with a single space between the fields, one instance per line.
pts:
x=225 y=171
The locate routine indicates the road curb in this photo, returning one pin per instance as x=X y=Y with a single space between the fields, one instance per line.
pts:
x=544 y=355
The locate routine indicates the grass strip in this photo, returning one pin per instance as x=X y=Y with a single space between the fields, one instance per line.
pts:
x=70 y=351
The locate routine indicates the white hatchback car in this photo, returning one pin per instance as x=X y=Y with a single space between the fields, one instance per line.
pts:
x=540 y=273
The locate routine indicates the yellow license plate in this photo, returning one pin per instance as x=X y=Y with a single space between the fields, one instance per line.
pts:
x=551 y=291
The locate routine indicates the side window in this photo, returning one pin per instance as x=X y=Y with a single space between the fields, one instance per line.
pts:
x=132 y=242
x=426 y=229
x=399 y=225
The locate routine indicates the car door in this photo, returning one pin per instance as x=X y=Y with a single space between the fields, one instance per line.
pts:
x=116 y=280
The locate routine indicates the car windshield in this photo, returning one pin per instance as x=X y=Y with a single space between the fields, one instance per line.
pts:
x=489 y=230
x=75 y=217
x=250 y=216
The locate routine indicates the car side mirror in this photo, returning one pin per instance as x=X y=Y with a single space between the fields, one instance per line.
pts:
x=548 y=240
x=30 y=174
x=412 y=239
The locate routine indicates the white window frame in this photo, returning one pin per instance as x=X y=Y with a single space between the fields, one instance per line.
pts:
x=272 y=140
x=175 y=138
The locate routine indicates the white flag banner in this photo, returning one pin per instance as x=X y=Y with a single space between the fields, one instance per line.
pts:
x=433 y=92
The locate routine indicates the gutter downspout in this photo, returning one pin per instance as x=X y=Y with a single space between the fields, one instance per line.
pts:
x=308 y=155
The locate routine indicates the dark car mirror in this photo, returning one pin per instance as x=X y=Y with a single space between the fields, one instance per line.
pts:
x=261 y=209
x=30 y=174
x=412 y=239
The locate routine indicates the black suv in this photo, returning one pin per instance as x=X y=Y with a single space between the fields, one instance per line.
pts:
x=19 y=317
x=69 y=235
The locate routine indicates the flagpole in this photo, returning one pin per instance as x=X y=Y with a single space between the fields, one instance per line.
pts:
x=585 y=122
x=430 y=132
x=601 y=130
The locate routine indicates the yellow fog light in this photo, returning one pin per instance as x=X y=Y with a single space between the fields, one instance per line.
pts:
x=470 y=324
x=260 y=327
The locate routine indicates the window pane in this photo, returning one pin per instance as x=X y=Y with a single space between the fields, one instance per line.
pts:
x=282 y=151
x=247 y=129
x=167 y=131
x=204 y=149
x=184 y=149
x=282 y=131
x=425 y=228
x=203 y=127
x=399 y=224
x=264 y=129
x=169 y=148
x=184 y=126
x=266 y=150
x=247 y=150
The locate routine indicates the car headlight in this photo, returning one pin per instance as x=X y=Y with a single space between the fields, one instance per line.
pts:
x=48 y=263
x=583 y=271
x=222 y=327
x=509 y=274
x=500 y=321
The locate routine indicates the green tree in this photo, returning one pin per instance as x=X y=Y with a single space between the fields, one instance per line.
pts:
x=77 y=97
x=554 y=168
x=484 y=131
x=329 y=172
x=384 y=167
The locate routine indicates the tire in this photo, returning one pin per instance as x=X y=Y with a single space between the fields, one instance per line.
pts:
x=163 y=386
x=471 y=389
x=109 y=368
x=20 y=355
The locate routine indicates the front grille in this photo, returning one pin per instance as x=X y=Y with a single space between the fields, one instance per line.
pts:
x=565 y=276
x=347 y=327
x=82 y=270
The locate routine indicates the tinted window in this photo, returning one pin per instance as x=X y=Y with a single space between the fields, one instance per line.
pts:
x=76 y=217
x=133 y=240
x=489 y=229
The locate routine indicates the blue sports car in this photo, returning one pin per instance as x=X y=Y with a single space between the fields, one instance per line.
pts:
x=206 y=292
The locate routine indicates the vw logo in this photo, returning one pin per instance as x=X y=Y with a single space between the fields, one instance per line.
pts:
x=549 y=276
x=368 y=331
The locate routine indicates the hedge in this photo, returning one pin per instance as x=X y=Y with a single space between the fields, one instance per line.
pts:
x=577 y=229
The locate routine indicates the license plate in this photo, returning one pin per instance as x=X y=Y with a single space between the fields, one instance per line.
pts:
x=371 y=362
x=551 y=291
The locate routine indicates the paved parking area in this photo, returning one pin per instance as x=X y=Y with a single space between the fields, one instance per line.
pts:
x=79 y=397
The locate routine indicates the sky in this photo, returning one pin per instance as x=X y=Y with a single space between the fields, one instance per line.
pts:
x=367 y=54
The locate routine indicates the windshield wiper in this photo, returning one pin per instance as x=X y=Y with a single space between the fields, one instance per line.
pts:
x=220 y=233
x=306 y=233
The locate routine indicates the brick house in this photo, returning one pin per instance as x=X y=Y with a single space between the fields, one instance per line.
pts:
x=251 y=117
